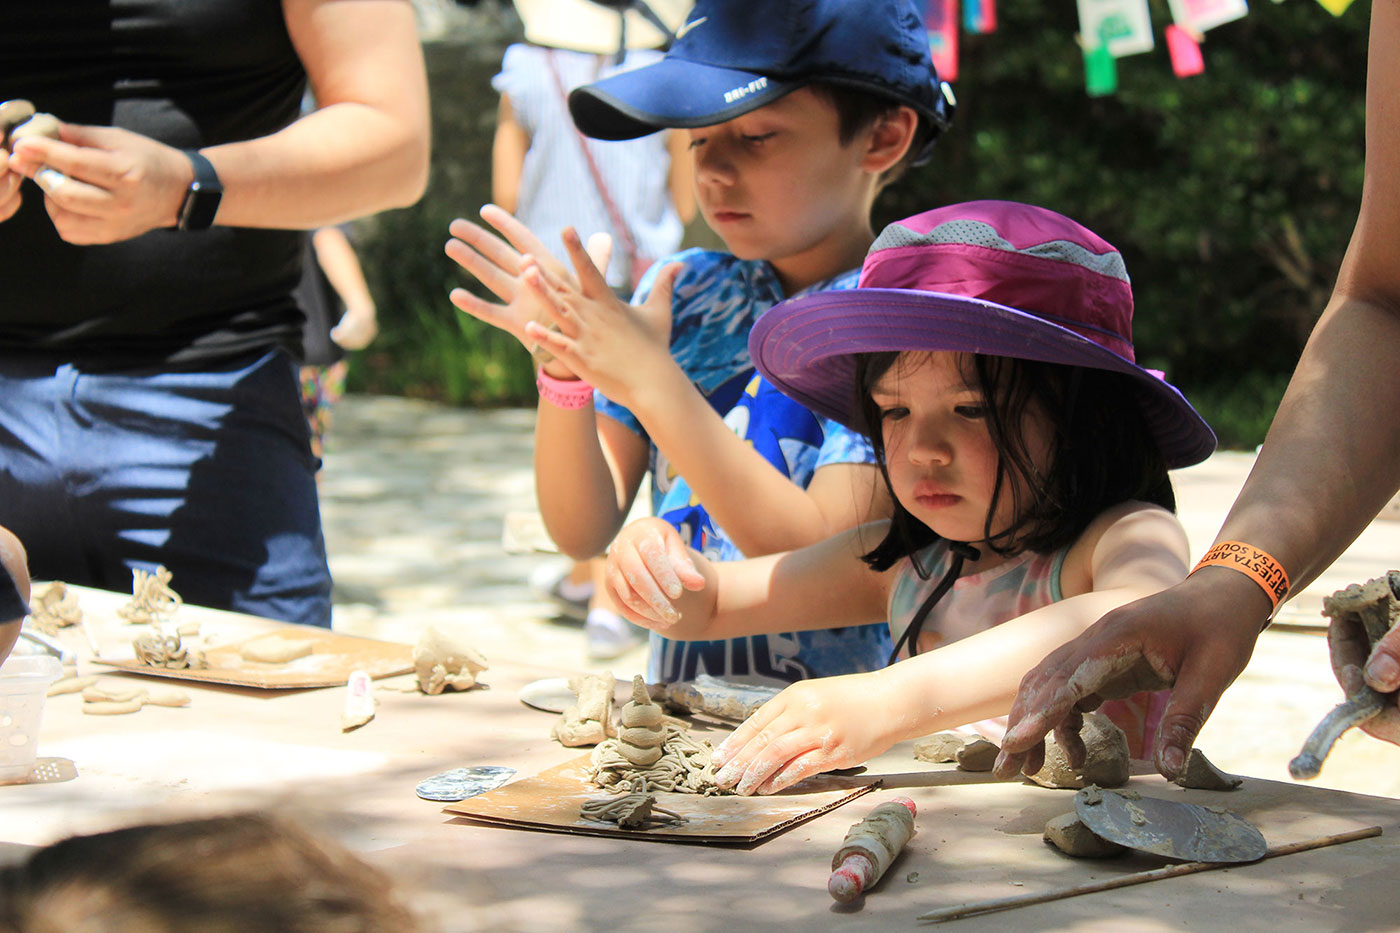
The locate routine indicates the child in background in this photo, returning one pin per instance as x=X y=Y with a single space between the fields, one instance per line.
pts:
x=550 y=176
x=988 y=355
x=797 y=113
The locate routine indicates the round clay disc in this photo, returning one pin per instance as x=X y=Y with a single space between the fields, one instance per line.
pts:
x=551 y=694
x=1175 y=829
x=461 y=783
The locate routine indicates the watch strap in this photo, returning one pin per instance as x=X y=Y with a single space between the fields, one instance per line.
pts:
x=202 y=199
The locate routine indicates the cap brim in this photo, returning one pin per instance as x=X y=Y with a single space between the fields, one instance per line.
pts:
x=671 y=93
x=807 y=346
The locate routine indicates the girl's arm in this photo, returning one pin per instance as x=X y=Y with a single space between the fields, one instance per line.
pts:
x=837 y=722
x=508 y=148
x=664 y=585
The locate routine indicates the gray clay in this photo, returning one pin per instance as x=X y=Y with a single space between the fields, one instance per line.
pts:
x=1200 y=774
x=977 y=755
x=939 y=747
x=1105 y=762
x=1068 y=834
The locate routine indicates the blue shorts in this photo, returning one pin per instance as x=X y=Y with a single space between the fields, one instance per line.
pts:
x=209 y=473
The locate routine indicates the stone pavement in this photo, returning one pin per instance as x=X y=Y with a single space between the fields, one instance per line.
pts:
x=414 y=496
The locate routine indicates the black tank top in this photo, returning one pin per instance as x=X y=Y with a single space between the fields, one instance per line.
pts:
x=190 y=73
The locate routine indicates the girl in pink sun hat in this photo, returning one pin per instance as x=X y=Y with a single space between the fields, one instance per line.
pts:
x=988 y=355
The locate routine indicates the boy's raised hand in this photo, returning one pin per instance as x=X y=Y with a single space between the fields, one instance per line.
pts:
x=500 y=265
x=618 y=348
x=812 y=726
x=649 y=568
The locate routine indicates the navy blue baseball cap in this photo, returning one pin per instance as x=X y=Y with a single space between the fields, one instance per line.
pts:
x=733 y=56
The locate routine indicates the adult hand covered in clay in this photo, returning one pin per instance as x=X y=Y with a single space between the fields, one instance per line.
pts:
x=618 y=348
x=812 y=726
x=1354 y=663
x=649 y=568
x=103 y=184
x=1195 y=637
x=499 y=263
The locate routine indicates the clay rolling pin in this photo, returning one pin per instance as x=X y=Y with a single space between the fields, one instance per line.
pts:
x=869 y=848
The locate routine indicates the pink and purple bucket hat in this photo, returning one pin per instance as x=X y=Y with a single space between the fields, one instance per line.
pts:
x=990 y=277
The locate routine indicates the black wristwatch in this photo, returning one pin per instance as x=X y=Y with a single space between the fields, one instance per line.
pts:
x=202 y=200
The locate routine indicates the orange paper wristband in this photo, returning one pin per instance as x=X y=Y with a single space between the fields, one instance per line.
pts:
x=1249 y=560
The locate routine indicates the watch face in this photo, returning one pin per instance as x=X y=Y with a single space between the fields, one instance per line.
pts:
x=203 y=197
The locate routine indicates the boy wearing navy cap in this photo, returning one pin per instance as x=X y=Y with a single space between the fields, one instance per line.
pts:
x=799 y=111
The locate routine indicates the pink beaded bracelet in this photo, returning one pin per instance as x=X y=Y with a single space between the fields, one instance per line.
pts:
x=565 y=393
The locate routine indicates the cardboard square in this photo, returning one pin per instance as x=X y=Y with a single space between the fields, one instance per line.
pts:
x=333 y=656
x=551 y=801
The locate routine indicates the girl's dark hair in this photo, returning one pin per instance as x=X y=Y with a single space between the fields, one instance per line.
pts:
x=1101 y=452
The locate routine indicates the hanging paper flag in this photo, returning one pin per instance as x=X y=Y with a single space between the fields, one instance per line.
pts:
x=1335 y=7
x=1124 y=27
x=1185 y=52
x=1100 y=71
x=980 y=16
x=941 y=21
x=1200 y=15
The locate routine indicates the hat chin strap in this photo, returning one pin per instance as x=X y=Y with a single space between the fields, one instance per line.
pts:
x=962 y=552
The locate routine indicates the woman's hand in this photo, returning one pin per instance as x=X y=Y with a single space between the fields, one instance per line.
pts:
x=812 y=726
x=649 y=568
x=102 y=184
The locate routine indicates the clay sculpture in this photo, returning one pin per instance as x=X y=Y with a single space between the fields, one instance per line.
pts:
x=275 y=649
x=442 y=658
x=167 y=651
x=977 y=755
x=636 y=810
x=652 y=752
x=1105 y=762
x=714 y=696
x=590 y=720
x=869 y=848
x=152 y=599
x=939 y=748
x=18 y=120
x=54 y=608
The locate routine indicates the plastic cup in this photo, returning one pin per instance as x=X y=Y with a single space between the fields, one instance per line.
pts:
x=24 y=683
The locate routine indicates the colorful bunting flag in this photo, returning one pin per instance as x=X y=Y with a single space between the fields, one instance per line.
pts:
x=1123 y=27
x=1199 y=15
x=1100 y=71
x=941 y=21
x=1185 y=52
x=979 y=16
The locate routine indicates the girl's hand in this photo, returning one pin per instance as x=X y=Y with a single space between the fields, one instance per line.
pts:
x=649 y=568
x=812 y=726
x=618 y=348
x=103 y=184
x=500 y=264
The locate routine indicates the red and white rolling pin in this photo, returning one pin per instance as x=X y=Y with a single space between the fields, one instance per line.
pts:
x=869 y=848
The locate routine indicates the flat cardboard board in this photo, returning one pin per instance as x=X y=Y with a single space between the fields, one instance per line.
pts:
x=333 y=656
x=551 y=800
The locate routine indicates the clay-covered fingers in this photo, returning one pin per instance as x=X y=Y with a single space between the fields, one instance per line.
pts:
x=649 y=568
x=1383 y=665
x=1355 y=664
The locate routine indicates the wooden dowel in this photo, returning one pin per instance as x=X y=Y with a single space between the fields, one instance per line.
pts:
x=975 y=908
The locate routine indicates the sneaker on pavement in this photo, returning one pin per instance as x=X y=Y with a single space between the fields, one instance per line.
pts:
x=607 y=635
x=551 y=582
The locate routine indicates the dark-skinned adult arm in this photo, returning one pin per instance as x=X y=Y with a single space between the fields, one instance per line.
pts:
x=1326 y=468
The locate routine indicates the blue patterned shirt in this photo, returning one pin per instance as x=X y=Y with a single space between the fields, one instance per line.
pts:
x=716 y=301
